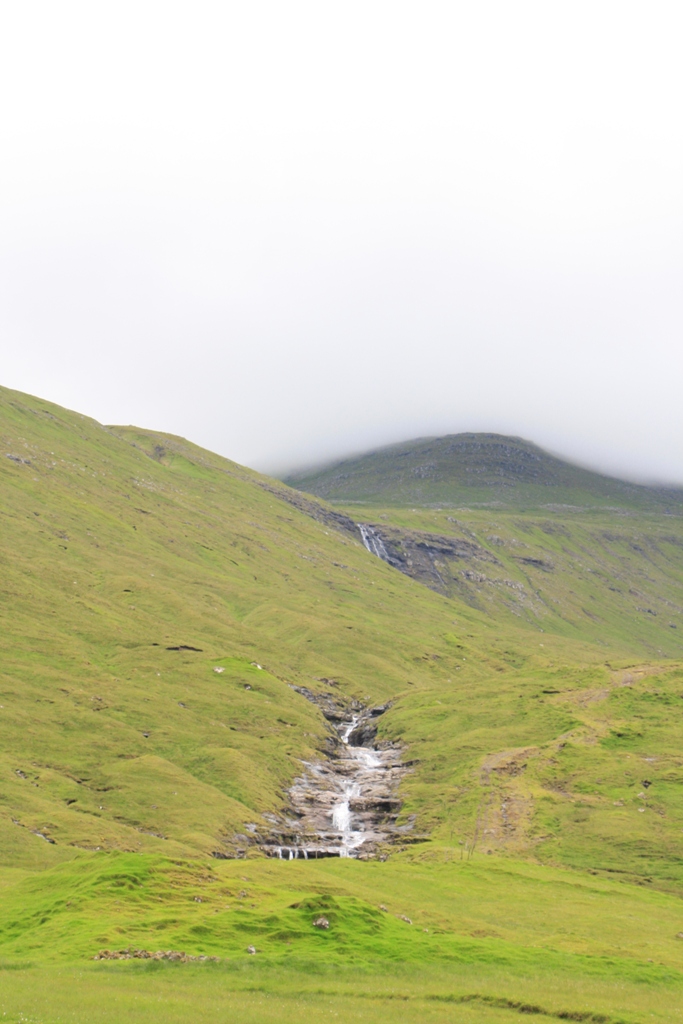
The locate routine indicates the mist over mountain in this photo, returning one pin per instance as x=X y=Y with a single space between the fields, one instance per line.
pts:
x=478 y=469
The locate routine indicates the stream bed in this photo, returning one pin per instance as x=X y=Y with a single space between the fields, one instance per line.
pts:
x=345 y=805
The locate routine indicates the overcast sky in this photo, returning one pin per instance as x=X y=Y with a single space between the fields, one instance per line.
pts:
x=291 y=230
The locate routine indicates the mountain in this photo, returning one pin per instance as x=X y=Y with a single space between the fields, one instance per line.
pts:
x=201 y=669
x=479 y=470
x=564 y=549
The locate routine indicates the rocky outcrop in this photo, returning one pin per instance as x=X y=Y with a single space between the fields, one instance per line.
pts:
x=423 y=556
x=427 y=557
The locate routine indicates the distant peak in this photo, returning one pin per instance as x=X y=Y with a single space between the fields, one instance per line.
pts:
x=474 y=468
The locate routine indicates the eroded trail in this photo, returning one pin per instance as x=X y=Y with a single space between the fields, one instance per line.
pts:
x=347 y=804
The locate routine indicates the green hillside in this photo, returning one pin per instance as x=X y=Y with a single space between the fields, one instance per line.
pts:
x=476 y=469
x=160 y=604
x=593 y=575
x=502 y=526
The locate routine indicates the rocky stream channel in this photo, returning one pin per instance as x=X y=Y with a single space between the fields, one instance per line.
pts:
x=347 y=804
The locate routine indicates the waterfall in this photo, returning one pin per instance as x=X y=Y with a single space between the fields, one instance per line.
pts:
x=373 y=542
x=341 y=810
x=344 y=806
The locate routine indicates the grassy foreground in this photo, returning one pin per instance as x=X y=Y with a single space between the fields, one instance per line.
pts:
x=251 y=994
x=157 y=606
x=485 y=939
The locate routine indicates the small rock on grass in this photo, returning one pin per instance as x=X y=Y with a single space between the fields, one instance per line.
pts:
x=251 y=949
x=321 y=922
x=403 y=917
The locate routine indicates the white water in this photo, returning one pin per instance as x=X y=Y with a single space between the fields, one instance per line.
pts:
x=290 y=853
x=373 y=542
x=339 y=805
x=348 y=729
x=342 y=817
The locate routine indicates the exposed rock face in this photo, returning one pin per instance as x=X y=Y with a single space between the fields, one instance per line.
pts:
x=347 y=805
x=424 y=556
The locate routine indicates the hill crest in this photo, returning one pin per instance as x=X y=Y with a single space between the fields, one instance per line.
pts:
x=482 y=469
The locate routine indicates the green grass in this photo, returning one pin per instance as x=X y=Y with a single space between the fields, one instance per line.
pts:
x=486 y=910
x=485 y=935
x=253 y=994
x=544 y=872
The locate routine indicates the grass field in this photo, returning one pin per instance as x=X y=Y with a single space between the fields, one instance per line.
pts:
x=489 y=936
x=254 y=993
x=159 y=603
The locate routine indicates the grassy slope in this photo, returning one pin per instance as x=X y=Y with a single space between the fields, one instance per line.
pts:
x=117 y=544
x=496 y=930
x=603 y=790
x=486 y=469
x=111 y=557
x=615 y=580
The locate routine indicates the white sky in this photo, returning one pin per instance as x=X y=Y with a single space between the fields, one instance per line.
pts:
x=293 y=230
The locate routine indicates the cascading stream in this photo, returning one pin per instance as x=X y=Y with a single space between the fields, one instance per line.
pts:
x=345 y=806
x=341 y=811
x=373 y=542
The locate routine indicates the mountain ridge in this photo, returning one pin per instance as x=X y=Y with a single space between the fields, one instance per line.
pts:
x=481 y=469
